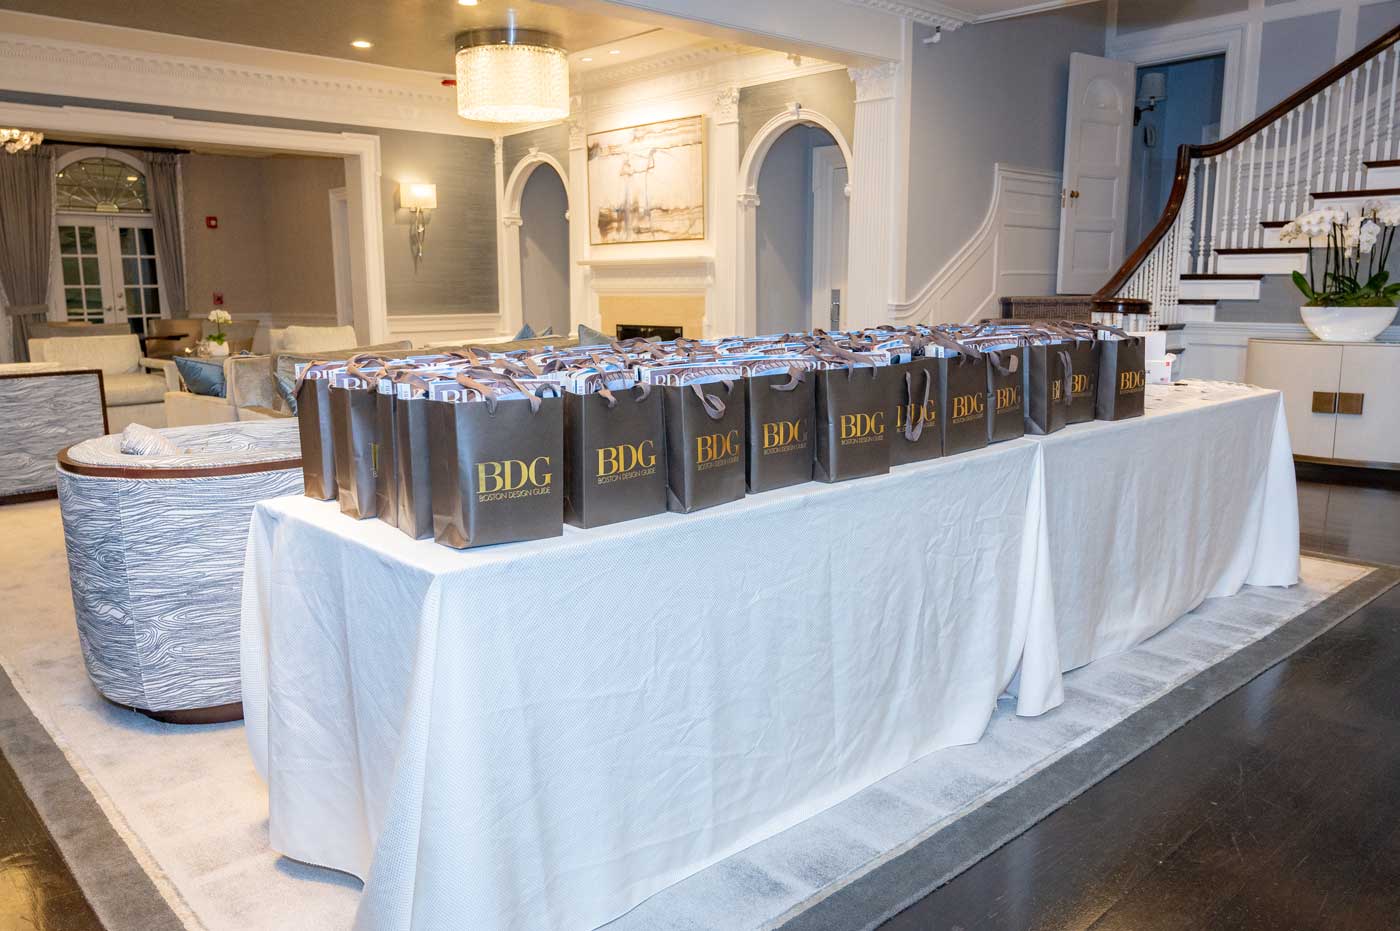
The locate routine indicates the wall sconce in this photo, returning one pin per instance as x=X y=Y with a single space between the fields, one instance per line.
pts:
x=419 y=200
x=1152 y=92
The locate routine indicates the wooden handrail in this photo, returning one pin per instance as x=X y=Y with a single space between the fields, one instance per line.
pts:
x=1186 y=153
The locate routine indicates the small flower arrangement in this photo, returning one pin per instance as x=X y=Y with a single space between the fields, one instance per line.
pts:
x=220 y=319
x=1368 y=234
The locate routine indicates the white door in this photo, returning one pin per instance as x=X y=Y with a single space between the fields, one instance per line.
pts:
x=107 y=271
x=830 y=238
x=1098 y=152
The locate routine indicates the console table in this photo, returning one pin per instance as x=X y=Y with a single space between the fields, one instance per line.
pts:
x=1342 y=400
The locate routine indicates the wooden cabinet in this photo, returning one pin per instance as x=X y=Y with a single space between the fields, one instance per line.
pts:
x=1342 y=400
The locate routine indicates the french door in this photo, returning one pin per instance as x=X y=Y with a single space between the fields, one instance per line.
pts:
x=107 y=271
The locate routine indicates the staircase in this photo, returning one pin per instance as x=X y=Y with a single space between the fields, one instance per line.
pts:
x=1333 y=142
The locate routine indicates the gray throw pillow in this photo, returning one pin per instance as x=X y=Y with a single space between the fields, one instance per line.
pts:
x=587 y=336
x=526 y=332
x=140 y=440
x=286 y=390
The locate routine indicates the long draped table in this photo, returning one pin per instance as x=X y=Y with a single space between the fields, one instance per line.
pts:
x=541 y=735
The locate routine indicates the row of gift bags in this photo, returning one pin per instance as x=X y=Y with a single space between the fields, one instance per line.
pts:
x=474 y=474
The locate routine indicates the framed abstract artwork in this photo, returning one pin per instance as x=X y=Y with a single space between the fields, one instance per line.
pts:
x=647 y=183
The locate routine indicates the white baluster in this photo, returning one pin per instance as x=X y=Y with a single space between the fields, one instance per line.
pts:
x=1337 y=135
x=1306 y=193
x=1295 y=140
x=1236 y=222
x=1350 y=129
x=1251 y=202
x=1218 y=179
x=1361 y=133
x=1394 y=88
x=1380 y=98
x=1202 y=227
x=1273 y=175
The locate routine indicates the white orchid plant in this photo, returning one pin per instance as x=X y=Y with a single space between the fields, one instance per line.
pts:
x=1352 y=240
x=220 y=319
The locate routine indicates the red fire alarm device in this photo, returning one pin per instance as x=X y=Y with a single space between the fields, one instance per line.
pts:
x=218 y=298
x=211 y=222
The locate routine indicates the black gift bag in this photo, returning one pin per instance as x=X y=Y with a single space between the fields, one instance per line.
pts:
x=614 y=456
x=918 y=432
x=386 y=488
x=779 y=433
x=1048 y=386
x=315 y=431
x=355 y=438
x=1122 y=378
x=854 y=421
x=1084 y=357
x=963 y=402
x=497 y=470
x=1006 y=418
x=705 y=461
x=412 y=477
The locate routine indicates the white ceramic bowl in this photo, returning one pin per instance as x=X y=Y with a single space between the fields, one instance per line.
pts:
x=1347 y=324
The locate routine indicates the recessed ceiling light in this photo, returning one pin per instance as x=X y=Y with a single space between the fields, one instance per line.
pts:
x=616 y=51
x=362 y=43
x=466 y=2
x=587 y=58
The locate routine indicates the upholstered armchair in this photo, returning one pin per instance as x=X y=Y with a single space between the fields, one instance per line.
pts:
x=250 y=393
x=134 y=386
x=155 y=560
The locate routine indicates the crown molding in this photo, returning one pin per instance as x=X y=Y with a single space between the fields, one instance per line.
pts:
x=926 y=12
x=97 y=73
x=690 y=58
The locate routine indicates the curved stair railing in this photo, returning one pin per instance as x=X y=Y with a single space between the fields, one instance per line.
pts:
x=1225 y=195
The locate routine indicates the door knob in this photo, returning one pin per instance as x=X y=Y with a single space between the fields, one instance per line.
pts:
x=1073 y=195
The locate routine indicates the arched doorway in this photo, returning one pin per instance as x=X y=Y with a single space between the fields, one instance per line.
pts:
x=535 y=247
x=793 y=232
x=544 y=252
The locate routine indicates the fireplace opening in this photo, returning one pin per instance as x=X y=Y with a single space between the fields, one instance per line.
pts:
x=643 y=330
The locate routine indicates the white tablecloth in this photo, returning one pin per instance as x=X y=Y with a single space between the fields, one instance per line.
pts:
x=541 y=735
x=1149 y=517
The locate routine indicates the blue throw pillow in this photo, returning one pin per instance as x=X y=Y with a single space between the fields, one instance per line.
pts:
x=526 y=332
x=202 y=376
x=587 y=336
x=287 y=389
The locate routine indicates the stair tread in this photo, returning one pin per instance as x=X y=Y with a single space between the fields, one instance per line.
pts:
x=1364 y=192
x=1205 y=301
x=1383 y=163
x=1274 y=224
x=1230 y=277
x=1266 y=250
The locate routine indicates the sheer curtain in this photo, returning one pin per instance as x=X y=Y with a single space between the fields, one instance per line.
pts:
x=163 y=177
x=26 y=239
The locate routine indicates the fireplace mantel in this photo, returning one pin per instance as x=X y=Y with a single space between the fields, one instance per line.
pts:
x=672 y=290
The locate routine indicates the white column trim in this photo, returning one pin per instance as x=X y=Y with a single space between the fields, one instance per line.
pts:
x=512 y=294
x=873 y=185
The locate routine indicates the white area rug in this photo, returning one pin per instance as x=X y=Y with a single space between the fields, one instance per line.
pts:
x=188 y=802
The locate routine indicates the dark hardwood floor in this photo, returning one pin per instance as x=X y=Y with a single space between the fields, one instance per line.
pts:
x=1277 y=808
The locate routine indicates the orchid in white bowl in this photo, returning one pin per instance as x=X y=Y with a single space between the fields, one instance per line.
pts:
x=1348 y=306
x=216 y=343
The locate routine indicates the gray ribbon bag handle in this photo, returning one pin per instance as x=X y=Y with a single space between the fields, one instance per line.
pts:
x=714 y=406
x=913 y=430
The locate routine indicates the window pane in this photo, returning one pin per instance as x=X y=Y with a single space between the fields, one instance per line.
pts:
x=133 y=301
x=73 y=298
x=131 y=271
x=70 y=272
x=68 y=239
x=128 y=237
x=153 y=302
x=87 y=240
x=148 y=241
x=148 y=271
x=90 y=273
x=94 y=298
x=102 y=185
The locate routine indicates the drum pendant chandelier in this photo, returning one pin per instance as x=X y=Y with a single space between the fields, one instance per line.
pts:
x=511 y=75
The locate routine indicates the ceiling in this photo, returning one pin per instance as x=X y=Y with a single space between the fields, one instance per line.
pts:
x=414 y=34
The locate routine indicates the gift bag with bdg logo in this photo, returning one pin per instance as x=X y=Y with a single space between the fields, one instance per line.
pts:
x=1005 y=393
x=413 y=511
x=315 y=430
x=918 y=433
x=853 y=422
x=1048 y=386
x=614 y=455
x=779 y=434
x=1122 y=375
x=355 y=436
x=705 y=460
x=962 y=380
x=496 y=463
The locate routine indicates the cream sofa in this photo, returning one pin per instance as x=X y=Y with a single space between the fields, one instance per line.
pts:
x=134 y=386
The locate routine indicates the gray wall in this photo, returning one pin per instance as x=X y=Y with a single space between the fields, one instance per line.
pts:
x=987 y=93
x=1373 y=20
x=551 y=140
x=784 y=225
x=830 y=93
x=458 y=274
x=544 y=251
x=1137 y=15
x=1294 y=51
